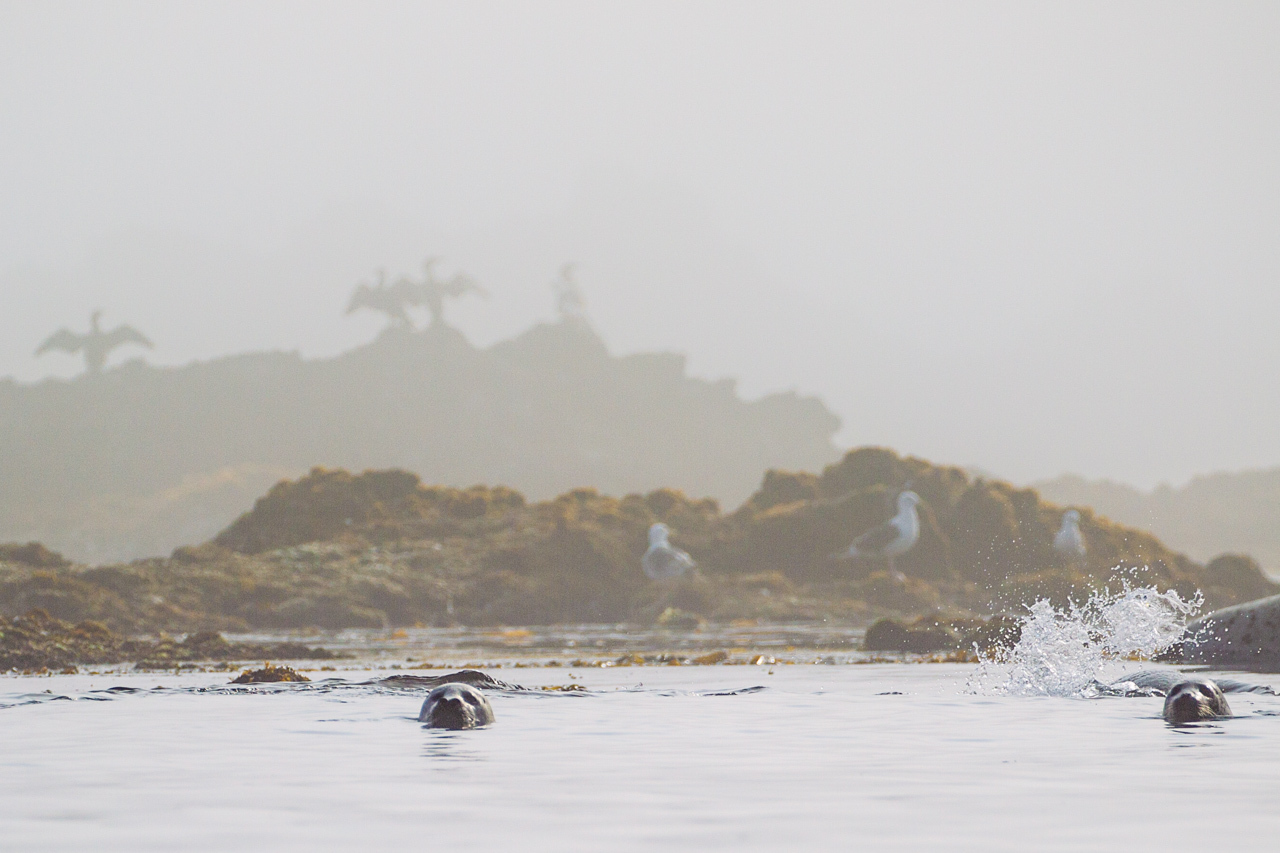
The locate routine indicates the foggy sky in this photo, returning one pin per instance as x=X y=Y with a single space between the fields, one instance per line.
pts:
x=1032 y=238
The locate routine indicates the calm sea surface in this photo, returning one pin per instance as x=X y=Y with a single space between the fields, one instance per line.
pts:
x=833 y=757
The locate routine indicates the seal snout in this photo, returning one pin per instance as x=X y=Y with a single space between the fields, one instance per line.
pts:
x=1186 y=706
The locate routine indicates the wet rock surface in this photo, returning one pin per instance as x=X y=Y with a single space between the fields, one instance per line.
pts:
x=36 y=641
x=269 y=674
x=934 y=633
x=1246 y=636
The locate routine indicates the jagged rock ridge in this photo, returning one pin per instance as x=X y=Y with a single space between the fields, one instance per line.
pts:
x=335 y=549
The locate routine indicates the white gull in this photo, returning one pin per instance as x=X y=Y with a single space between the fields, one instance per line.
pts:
x=893 y=537
x=663 y=560
x=1069 y=541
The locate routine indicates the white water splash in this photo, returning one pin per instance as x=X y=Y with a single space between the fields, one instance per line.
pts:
x=1068 y=652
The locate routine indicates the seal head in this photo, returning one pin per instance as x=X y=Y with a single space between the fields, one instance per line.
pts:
x=1194 y=700
x=456 y=706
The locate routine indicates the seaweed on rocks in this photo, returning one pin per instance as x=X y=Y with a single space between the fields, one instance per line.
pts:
x=269 y=674
x=32 y=554
x=36 y=641
x=380 y=549
x=935 y=633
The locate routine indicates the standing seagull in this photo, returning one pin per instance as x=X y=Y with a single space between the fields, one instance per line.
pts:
x=96 y=345
x=892 y=537
x=663 y=560
x=1069 y=541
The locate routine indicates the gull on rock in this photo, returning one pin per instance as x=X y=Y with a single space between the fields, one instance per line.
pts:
x=663 y=560
x=893 y=537
x=1069 y=541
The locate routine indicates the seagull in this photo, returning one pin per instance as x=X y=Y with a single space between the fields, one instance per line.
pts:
x=664 y=561
x=1069 y=541
x=893 y=537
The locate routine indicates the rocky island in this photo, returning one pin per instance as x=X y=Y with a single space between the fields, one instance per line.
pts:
x=380 y=549
x=137 y=460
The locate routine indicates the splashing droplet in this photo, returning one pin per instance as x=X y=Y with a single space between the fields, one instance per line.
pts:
x=1066 y=652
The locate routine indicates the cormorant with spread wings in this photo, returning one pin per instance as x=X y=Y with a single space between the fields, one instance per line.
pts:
x=433 y=290
x=396 y=297
x=96 y=345
x=389 y=298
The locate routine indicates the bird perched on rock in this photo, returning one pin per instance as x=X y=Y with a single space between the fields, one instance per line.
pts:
x=434 y=290
x=1069 y=541
x=96 y=345
x=570 y=304
x=390 y=298
x=893 y=537
x=663 y=560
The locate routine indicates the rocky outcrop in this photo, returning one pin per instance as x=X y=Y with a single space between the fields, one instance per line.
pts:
x=935 y=633
x=139 y=460
x=36 y=641
x=1246 y=636
x=335 y=549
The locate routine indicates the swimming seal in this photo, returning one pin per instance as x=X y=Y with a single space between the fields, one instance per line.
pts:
x=1160 y=682
x=1188 y=699
x=472 y=677
x=456 y=706
x=1194 y=700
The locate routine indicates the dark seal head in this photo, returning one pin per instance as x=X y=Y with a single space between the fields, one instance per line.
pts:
x=1194 y=700
x=456 y=706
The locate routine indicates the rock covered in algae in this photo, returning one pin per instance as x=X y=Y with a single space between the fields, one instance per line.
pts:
x=998 y=634
x=675 y=618
x=269 y=674
x=890 y=635
x=32 y=554
x=934 y=633
x=335 y=550
x=37 y=641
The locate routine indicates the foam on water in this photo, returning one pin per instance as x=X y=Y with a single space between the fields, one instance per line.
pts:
x=1070 y=651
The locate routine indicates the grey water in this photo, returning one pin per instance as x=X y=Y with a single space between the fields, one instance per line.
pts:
x=881 y=756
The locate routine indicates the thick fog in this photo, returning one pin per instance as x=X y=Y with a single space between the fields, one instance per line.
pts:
x=1031 y=238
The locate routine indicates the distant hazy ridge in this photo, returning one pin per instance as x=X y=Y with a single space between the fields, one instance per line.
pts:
x=141 y=459
x=1212 y=514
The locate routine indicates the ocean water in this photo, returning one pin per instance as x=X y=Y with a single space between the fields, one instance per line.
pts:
x=829 y=756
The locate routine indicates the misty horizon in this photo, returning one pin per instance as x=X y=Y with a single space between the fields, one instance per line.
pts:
x=1028 y=240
